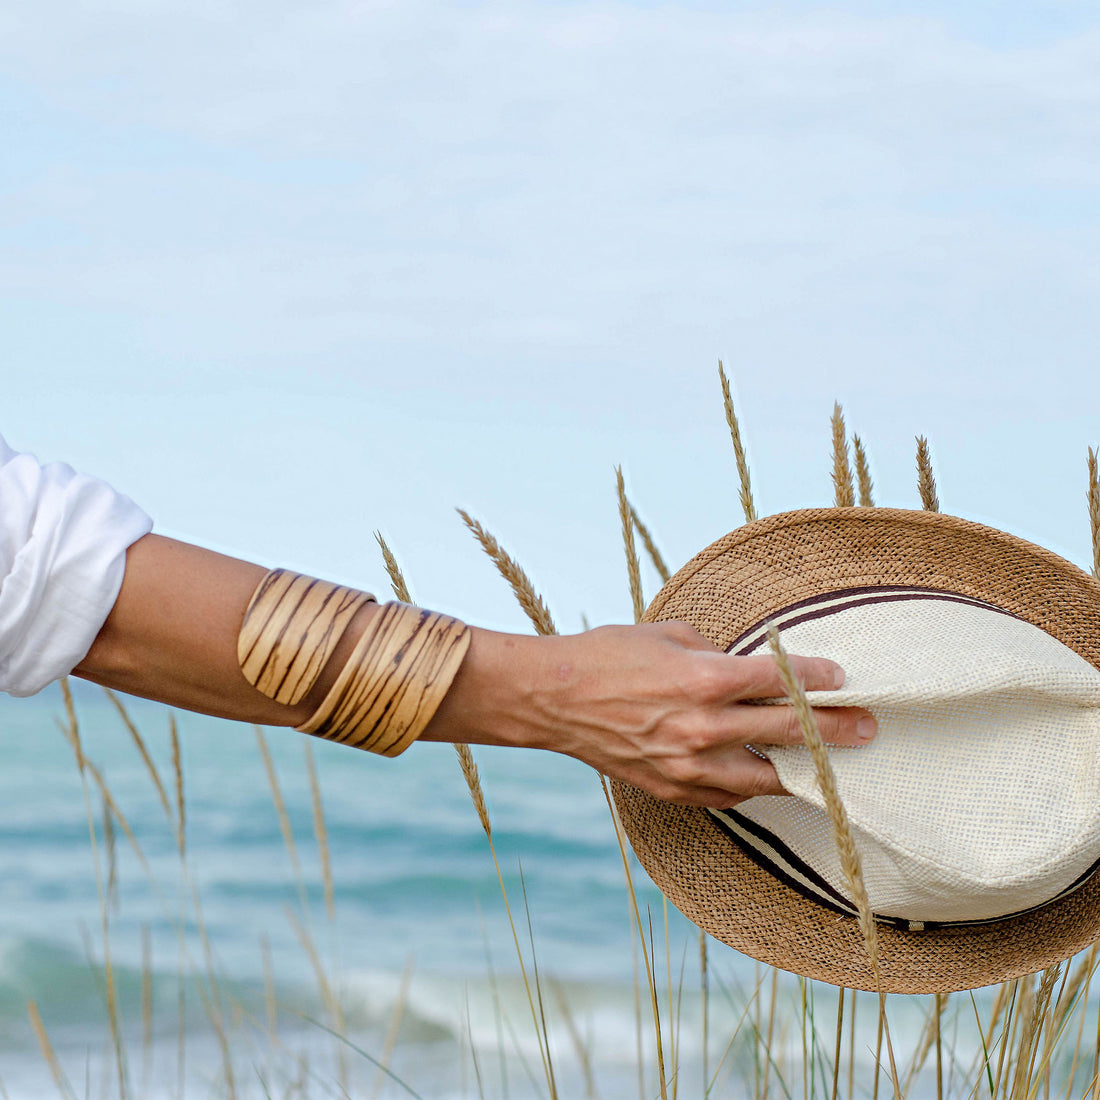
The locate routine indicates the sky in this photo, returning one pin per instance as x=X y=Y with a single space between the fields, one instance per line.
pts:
x=289 y=273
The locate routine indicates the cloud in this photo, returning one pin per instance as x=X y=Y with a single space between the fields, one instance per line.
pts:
x=467 y=194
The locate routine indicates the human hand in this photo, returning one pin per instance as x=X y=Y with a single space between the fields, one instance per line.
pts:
x=656 y=705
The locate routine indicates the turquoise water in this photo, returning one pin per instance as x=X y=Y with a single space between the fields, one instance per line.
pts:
x=415 y=888
x=420 y=926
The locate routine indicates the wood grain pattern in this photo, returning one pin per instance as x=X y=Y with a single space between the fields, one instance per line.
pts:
x=292 y=625
x=394 y=681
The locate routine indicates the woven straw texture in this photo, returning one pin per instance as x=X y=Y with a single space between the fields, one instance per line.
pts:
x=768 y=565
x=978 y=798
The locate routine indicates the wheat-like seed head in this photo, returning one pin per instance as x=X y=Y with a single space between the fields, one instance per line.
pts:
x=473 y=781
x=826 y=779
x=863 y=474
x=1094 y=512
x=509 y=569
x=842 y=469
x=926 y=482
x=634 y=573
x=650 y=546
x=747 y=505
x=1082 y=972
x=397 y=578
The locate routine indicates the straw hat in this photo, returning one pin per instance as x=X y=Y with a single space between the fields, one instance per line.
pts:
x=976 y=810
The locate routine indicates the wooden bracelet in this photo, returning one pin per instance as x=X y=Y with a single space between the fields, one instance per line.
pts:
x=394 y=680
x=292 y=625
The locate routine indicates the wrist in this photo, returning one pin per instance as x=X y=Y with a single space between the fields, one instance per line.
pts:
x=498 y=696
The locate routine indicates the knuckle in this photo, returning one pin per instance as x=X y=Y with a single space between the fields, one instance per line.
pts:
x=676 y=631
x=683 y=770
x=669 y=792
x=830 y=723
x=792 y=727
x=759 y=781
x=758 y=676
x=707 y=681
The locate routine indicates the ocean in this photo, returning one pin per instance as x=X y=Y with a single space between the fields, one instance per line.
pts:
x=236 y=962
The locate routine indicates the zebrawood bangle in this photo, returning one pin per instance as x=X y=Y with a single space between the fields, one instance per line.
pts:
x=292 y=625
x=394 y=680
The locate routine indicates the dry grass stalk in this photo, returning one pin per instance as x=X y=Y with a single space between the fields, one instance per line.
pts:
x=620 y=837
x=509 y=569
x=826 y=778
x=650 y=546
x=1077 y=977
x=146 y=1003
x=465 y=756
x=747 y=505
x=842 y=469
x=1012 y=991
x=842 y=830
x=139 y=741
x=863 y=474
x=119 y=818
x=1028 y=1074
x=110 y=847
x=839 y=1037
x=1094 y=512
x=928 y=1037
x=72 y=731
x=48 y=1054
x=328 y=996
x=576 y=1040
x=177 y=771
x=271 y=1005
x=284 y=817
x=704 y=997
x=771 y=1032
x=320 y=830
x=852 y=1044
x=473 y=782
x=926 y=482
x=1026 y=1019
x=632 y=569
x=941 y=1000
x=397 y=578
x=393 y=1031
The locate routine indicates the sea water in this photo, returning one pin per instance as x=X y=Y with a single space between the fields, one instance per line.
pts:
x=227 y=963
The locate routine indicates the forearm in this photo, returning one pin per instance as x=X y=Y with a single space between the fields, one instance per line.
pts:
x=172 y=635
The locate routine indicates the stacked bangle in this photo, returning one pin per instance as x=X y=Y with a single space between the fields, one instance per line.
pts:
x=292 y=625
x=393 y=682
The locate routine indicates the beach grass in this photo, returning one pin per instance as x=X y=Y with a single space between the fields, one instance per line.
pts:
x=700 y=1028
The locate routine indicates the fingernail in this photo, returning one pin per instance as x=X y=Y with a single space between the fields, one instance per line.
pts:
x=866 y=728
x=838 y=677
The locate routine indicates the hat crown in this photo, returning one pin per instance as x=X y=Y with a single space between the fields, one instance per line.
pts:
x=978 y=798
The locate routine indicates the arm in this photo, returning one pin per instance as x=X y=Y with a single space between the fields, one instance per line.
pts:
x=656 y=705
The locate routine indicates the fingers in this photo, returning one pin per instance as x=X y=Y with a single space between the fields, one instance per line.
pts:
x=758 y=677
x=720 y=785
x=780 y=725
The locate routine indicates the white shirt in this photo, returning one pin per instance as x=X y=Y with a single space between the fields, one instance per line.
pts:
x=63 y=542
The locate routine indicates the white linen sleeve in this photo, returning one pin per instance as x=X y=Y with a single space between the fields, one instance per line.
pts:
x=63 y=542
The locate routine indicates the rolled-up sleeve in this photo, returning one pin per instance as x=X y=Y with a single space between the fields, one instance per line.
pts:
x=63 y=542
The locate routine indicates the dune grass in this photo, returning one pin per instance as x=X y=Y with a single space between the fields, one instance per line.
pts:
x=700 y=1030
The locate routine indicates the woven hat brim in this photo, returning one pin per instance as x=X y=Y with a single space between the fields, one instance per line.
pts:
x=768 y=565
